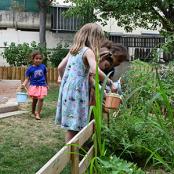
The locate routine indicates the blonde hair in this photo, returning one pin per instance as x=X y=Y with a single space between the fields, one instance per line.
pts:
x=90 y=35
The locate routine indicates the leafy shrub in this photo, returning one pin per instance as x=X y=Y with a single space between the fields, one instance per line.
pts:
x=58 y=54
x=114 y=164
x=140 y=132
x=18 y=55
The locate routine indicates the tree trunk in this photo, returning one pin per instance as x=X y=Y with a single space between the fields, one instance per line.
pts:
x=42 y=29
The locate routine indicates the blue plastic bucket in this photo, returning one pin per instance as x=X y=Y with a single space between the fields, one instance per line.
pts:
x=21 y=97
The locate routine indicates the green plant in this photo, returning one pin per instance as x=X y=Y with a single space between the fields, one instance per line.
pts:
x=115 y=165
x=141 y=132
x=18 y=55
x=102 y=162
x=58 y=54
x=97 y=110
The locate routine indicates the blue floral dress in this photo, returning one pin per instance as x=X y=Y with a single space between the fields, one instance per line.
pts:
x=73 y=101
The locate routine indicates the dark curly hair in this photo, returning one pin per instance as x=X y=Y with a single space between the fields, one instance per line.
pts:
x=35 y=53
x=116 y=48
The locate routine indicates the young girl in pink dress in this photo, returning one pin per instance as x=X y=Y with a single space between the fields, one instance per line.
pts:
x=36 y=76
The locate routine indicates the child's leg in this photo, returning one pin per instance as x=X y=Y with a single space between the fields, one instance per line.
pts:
x=39 y=108
x=69 y=135
x=34 y=102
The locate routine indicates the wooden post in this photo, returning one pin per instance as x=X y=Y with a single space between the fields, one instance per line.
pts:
x=13 y=73
x=19 y=69
x=1 y=72
x=75 y=158
x=4 y=73
x=55 y=75
x=48 y=75
x=17 y=73
x=51 y=75
x=9 y=74
x=22 y=74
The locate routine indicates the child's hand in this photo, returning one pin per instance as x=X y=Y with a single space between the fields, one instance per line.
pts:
x=59 y=80
x=105 y=94
x=113 y=87
x=22 y=86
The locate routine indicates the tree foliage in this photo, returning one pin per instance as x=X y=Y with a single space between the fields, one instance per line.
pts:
x=58 y=54
x=149 y=14
x=83 y=9
x=20 y=54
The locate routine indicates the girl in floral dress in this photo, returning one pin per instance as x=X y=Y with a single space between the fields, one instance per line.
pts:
x=73 y=100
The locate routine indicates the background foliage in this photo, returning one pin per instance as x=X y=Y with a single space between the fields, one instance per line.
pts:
x=142 y=130
x=20 y=54
x=130 y=13
x=58 y=54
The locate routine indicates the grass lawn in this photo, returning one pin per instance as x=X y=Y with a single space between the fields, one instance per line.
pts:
x=27 y=144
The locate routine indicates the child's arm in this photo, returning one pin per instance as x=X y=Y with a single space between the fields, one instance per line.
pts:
x=45 y=74
x=62 y=66
x=46 y=80
x=25 y=81
x=92 y=63
x=59 y=80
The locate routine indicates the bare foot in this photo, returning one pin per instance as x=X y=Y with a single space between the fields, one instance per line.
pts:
x=37 y=116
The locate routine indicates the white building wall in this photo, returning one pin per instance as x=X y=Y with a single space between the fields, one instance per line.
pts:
x=18 y=36
x=113 y=28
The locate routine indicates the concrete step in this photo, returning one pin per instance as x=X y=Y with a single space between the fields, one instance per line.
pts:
x=8 y=107
x=8 y=88
x=9 y=114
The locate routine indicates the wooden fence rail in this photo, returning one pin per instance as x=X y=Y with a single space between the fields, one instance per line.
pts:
x=18 y=73
x=70 y=153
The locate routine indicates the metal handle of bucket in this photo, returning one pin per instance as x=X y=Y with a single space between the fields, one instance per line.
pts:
x=19 y=88
x=26 y=89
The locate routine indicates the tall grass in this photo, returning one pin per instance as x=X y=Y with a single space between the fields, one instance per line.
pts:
x=102 y=163
x=141 y=129
x=99 y=144
x=163 y=124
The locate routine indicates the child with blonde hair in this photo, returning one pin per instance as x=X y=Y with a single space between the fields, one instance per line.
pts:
x=73 y=100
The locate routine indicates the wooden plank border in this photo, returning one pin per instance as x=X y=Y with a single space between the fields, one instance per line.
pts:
x=69 y=153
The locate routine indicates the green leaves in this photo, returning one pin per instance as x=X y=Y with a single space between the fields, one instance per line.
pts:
x=114 y=165
x=130 y=14
x=98 y=114
x=142 y=131
x=58 y=54
x=18 y=55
